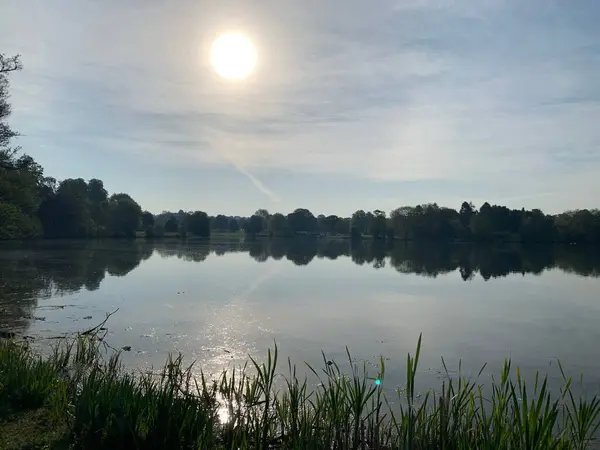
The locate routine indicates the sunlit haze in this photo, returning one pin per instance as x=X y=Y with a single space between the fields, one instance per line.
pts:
x=233 y=56
x=334 y=106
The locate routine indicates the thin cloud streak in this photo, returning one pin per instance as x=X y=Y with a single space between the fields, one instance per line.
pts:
x=253 y=179
x=258 y=184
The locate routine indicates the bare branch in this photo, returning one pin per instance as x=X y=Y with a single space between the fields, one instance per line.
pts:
x=10 y=63
x=100 y=325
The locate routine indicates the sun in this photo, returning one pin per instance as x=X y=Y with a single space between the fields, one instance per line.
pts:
x=233 y=56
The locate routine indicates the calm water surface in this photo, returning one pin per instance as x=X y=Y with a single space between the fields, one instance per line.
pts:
x=218 y=302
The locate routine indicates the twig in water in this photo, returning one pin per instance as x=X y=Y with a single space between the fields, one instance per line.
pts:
x=92 y=330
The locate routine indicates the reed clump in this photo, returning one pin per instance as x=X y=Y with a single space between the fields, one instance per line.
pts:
x=99 y=404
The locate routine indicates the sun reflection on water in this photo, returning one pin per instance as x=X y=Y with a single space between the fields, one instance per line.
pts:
x=223 y=413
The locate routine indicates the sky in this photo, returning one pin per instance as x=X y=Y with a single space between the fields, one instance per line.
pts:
x=352 y=105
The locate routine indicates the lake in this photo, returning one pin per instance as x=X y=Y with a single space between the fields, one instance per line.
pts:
x=219 y=301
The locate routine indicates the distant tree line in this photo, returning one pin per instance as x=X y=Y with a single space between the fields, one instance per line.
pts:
x=33 y=205
x=434 y=223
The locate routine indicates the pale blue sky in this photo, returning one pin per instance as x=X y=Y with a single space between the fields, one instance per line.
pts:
x=354 y=104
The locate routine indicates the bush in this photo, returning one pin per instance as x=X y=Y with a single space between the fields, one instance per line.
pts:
x=14 y=224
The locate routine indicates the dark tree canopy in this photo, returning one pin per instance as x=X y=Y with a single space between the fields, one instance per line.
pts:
x=220 y=223
x=21 y=178
x=278 y=224
x=301 y=221
x=148 y=219
x=254 y=225
x=124 y=215
x=378 y=225
x=172 y=225
x=198 y=223
x=234 y=225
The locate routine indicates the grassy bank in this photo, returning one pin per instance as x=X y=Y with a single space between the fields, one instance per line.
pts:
x=76 y=398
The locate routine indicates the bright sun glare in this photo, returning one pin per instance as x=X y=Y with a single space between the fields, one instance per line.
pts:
x=233 y=56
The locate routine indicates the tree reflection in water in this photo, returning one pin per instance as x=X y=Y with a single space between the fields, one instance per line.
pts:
x=39 y=270
x=43 y=269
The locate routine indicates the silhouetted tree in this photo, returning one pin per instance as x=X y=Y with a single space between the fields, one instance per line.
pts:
x=278 y=223
x=378 y=225
x=254 y=225
x=329 y=224
x=360 y=223
x=124 y=215
x=98 y=204
x=301 y=220
x=467 y=210
x=220 y=223
x=198 y=224
x=342 y=226
x=234 y=225
x=147 y=219
x=71 y=215
x=171 y=226
x=20 y=177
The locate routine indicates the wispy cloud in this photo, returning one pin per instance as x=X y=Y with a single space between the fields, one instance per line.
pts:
x=253 y=179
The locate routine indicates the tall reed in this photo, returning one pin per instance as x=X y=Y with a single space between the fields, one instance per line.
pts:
x=256 y=407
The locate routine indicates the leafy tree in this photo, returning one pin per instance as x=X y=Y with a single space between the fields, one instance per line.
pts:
x=220 y=223
x=234 y=225
x=467 y=211
x=98 y=202
x=302 y=220
x=321 y=223
x=262 y=213
x=401 y=223
x=342 y=226
x=265 y=216
x=19 y=194
x=124 y=215
x=378 y=225
x=95 y=191
x=537 y=227
x=254 y=225
x=278 y=223
x=198 y=224
x=20 y=177
x=243 y=222
x=147 y=219
x=360 y=222
x=482 y=227
x=329 y=224
x=171 y=226
x=148 y=224
x=7 y=64
x=578 y=226
x=355 y=233
x=66 y=213
x=14 y=224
